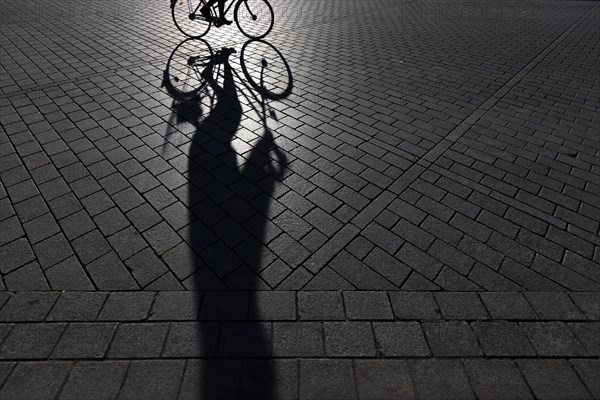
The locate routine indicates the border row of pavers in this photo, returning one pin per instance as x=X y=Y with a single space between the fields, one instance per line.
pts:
x=302 y=379
x=137 y=325
x=220 y=306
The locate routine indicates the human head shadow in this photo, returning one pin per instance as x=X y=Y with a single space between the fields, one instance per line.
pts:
x=231 y=182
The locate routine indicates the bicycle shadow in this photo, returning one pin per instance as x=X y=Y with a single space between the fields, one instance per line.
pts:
x=229 y=195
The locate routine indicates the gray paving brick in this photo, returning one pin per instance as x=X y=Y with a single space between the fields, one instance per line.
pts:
x=52 y=250
x=94 y=380
x=440 y=379
x=30 y=341
x=553 y=379
x=138 y=340
x=388 y=266
x=587 y=333
x=77 y=306
x=273 y=306
x=502 y=338
x=383 y=379
x=508 y=305
x=126 y=306
x=553 y=339
x=349 y=339
x=152 y=378
x=219 y=378
x=15 y=254
x=28 y=306
x=27 y=278
x=245 y=339
x=449 y=339
x=39 y=380
x=84 y=340
x=368 y=306
x=297 y=339
x=322 y=379
x=191 y=339
x=492 y=379
x=358 y=273
x=589 y=303
x=588 y=371
x=109 y=273
x=414 y=305
x=320 y=305
x=175 y=306
x=400 y=339
x=461 y=306
x=127 y=242
x=554 y=306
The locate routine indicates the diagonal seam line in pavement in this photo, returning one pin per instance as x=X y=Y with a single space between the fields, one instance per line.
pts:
x=375 y=207
x=408 y=177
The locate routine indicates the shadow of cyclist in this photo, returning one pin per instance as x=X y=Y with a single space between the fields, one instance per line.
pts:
x=229 y=196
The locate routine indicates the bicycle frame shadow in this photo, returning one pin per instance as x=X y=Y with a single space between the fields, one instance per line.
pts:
x=229 y=206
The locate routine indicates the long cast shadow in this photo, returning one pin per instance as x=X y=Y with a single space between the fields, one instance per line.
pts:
x=229 y=204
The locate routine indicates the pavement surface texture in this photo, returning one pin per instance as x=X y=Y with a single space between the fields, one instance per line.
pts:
x=382 y=199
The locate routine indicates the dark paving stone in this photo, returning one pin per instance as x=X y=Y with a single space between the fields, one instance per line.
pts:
x=553 y=379
x=451 y=339
x=141 y=340
x=152 y=378
x=192 y=339
x=349 y=339
x=383 y=379
x=77 y=306
x=553 y=339
x=84 y=341
x=30 y=341
x=126 y=306
x=404 y=339
x=94 y=380
x=501 y=338
x=494 y=379
x=368 y=305
x=28 y=306
x=297 y=339
x=440 y=379
x=40 y=380
x=326 y=379
x=320 y=306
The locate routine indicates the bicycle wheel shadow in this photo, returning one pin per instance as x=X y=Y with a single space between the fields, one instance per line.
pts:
x=231 y=183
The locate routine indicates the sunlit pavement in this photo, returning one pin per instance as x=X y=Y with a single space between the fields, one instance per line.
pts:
x=379 y=200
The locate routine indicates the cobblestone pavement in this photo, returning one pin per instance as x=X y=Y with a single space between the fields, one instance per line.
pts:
x=381 y=200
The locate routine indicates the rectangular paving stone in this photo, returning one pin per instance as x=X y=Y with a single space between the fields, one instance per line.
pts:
x=263 y=379
x=138 y=340
x=175 y=306
x=322 y=379
x=554 y=306
x=553 y=379
x=492 y=379
x=84 y=340
x=28 y=306
x=367 y=305
x=152 y=378
x=319 y=305
x=461 y=306
x=383 y=379
x=273 y=306
x=508 y=305
x=126 y=306
x=588 y=333
x=414 y=305
x=448 y=339
x=589 y=372
x=502 y=338
x=349 y=339
x=297 y=339
x=440 y=379
x=15 y=255
x=35 y=380
x=77 y=306
x=211 y=378
x=109 y=273
x=191 y=339
x=400 y=339
x=553 y=339
x=99 y=380
x=245 y=339
x=30 y=340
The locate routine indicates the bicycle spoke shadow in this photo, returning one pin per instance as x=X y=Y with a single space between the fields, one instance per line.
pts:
x=229 y=196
